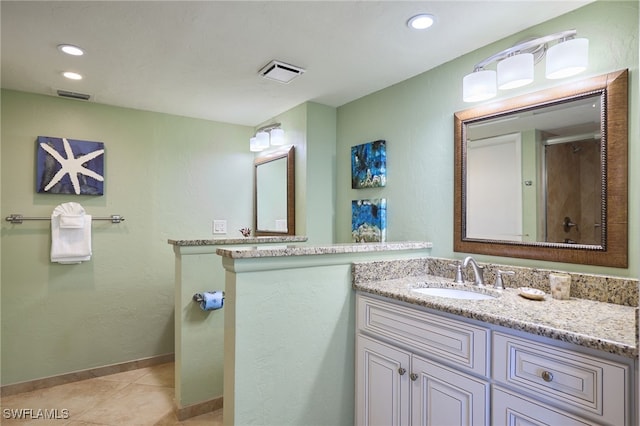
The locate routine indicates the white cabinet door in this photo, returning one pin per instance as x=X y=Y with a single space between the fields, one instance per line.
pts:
x=442 y=396
x=382 y=384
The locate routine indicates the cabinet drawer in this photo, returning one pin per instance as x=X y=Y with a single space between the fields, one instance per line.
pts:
x=508 y=408
x=444 y=339
x=594 y=386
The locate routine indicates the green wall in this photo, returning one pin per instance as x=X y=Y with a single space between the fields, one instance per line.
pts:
x=168 y=176
x=289 y=342
x=311 y=127
x=199 y=362
x=415 y=117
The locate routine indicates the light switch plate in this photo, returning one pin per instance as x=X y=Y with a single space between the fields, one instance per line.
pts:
x=219 y=226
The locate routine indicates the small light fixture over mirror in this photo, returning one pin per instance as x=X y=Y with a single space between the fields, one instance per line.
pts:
x=515 y=68
x=277 y=137
x=266 y=136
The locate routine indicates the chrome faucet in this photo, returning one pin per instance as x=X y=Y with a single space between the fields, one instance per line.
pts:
x=478 y=271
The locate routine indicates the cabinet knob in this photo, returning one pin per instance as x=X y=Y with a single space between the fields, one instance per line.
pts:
x=413 y=377
x=401 y=371
x=547 y=376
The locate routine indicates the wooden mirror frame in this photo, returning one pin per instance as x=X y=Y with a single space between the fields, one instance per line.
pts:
x=291 y=204
x=614 y=248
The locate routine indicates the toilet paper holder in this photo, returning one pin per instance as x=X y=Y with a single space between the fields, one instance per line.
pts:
x=198 y=297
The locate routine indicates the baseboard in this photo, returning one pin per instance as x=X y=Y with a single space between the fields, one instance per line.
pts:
x=199 y=408
x=76 y=376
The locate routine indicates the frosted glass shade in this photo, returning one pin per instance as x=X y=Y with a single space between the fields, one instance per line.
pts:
x=277 y=137
x=263 y=140
x=568 y=58
x=479 y=86
x=253 y=145
x=515 y=71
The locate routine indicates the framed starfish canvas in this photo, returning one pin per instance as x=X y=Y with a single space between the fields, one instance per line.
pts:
x=69 y=166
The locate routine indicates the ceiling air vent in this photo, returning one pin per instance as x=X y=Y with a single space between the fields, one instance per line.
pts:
x=73 y=95
x=281 y=72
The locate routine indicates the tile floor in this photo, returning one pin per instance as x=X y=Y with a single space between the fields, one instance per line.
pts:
x=138 y=397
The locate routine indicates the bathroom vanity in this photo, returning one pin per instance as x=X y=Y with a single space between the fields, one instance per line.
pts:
x=296 y=319
x=505 y=360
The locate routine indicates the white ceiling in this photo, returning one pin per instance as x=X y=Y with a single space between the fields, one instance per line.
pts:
x=200 y=58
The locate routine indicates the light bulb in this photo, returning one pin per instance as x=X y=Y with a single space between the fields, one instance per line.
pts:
x=479 y=86
x=263 y=139
x=515 y=71
x=567 y=58
x=277 y=137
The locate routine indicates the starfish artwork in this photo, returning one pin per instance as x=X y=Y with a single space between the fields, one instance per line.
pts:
x=67 y=166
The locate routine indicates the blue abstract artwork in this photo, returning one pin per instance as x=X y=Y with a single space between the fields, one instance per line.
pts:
x=68 y=166
x=369 y=221
x=369 y=165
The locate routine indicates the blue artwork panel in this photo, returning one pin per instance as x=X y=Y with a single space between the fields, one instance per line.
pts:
x=369 y=165
x=369 y=221
x=68 y=166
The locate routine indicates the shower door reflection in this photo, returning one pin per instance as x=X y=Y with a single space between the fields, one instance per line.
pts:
x=572 y=190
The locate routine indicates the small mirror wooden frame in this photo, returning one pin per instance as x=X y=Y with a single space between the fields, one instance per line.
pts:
x=289 y=156
x=614 y=164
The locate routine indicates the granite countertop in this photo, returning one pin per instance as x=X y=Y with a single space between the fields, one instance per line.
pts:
x=597 y=325
x=256 y=252
x=235 y=241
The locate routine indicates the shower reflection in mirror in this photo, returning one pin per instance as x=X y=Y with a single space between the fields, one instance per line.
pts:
x=527 y=182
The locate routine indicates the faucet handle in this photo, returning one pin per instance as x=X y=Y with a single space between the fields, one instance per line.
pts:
x=499 y=284
x=458 y=267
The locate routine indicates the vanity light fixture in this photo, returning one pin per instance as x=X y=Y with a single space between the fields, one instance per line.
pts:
x=421 y=21
x=70 y=49
x=269 y=135
x=568 y=57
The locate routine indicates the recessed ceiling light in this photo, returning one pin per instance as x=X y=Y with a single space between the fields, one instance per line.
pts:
x=72 y=75
x=70 y=49
x=421 y=21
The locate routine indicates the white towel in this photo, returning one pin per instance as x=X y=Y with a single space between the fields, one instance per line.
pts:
x=70 y=234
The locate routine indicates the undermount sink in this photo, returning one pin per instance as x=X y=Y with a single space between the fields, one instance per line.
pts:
x=453 y=293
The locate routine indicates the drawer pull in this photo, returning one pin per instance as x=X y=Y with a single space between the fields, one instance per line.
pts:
x=413 y=377
x=547 y=376
x=401 y=371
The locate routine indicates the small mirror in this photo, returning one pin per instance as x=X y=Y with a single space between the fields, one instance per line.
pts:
x=274 y=204
x=543 y=176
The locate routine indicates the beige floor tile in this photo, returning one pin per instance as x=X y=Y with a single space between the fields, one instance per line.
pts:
x=160 y=375
x=142 y=397
x=75 y=397
x=127 y=376
x=136 y=404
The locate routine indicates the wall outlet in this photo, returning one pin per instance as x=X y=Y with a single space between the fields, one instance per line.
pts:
x=219 y=226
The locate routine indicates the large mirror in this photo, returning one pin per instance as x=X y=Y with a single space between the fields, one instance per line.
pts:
x=544 y=176
x=274 y=204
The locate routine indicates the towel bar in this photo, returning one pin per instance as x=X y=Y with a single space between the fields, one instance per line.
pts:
x=18 y=218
